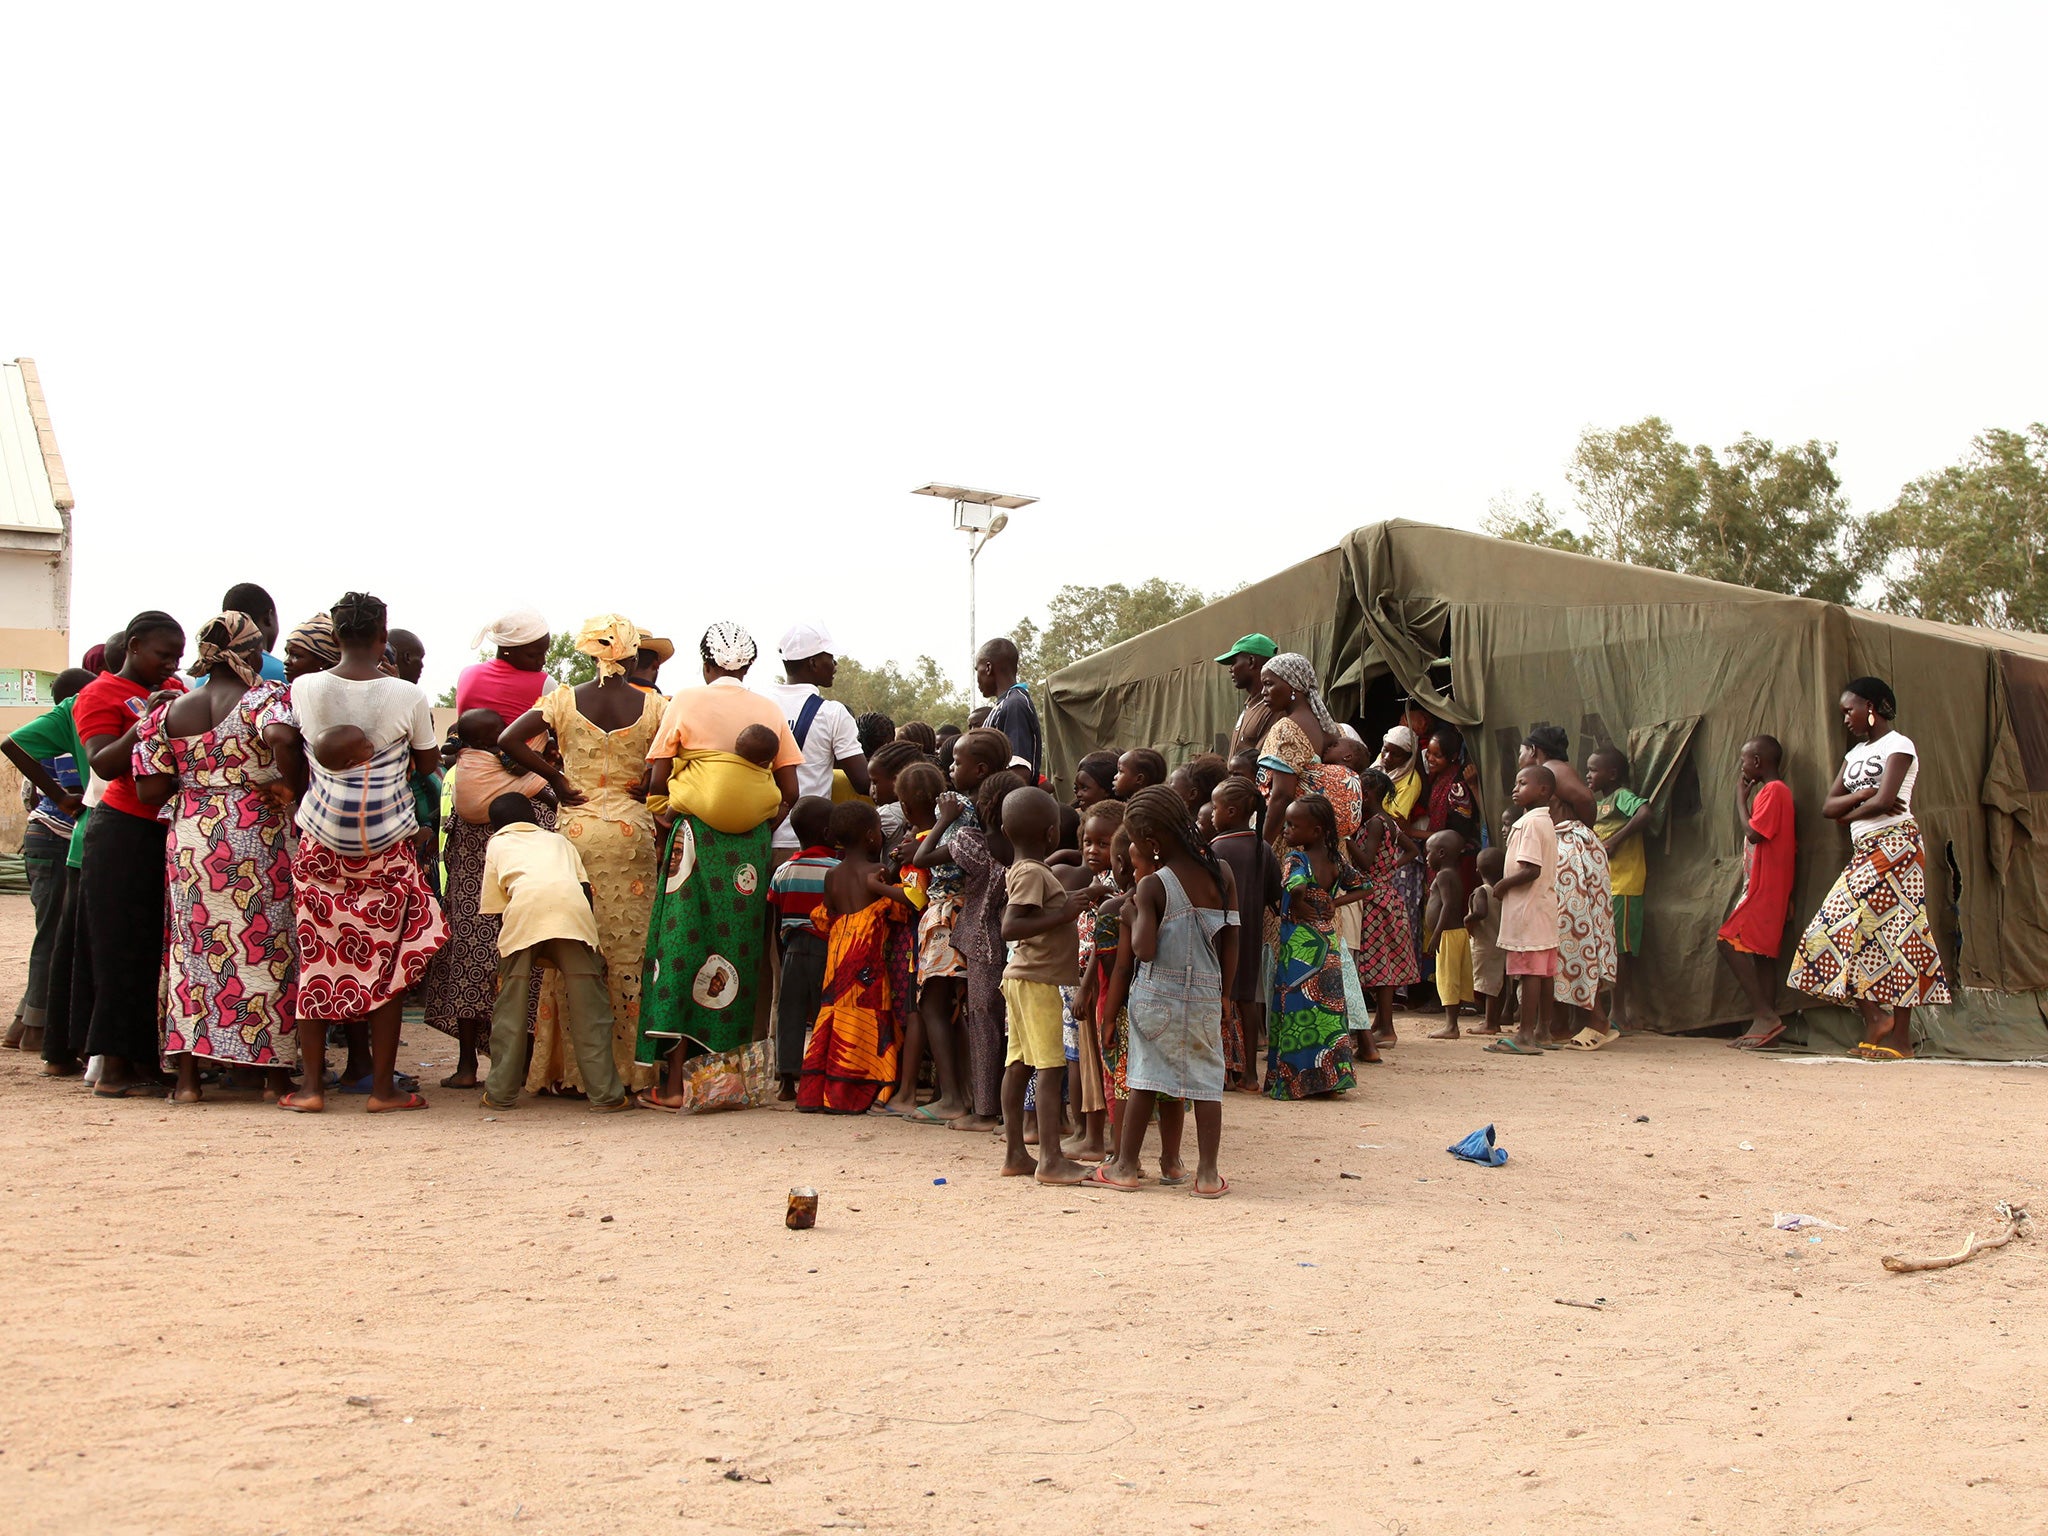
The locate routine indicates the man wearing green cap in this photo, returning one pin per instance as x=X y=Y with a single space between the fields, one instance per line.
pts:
x=1246 y=660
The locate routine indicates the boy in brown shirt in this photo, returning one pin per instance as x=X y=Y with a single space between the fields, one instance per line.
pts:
x=1038 y=921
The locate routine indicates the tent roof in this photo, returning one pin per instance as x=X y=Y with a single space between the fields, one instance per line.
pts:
x=1460 y=566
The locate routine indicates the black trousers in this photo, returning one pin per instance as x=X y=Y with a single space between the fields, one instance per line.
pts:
x=122 y=900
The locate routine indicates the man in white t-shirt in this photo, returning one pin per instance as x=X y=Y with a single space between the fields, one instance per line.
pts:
x=823 y=728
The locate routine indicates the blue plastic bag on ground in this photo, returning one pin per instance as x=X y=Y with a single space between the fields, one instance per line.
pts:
x=1479 y=1148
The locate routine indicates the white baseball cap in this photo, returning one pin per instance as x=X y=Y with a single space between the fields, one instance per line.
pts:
x=800 y=642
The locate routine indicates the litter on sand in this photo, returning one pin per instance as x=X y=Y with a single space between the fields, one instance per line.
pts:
x=1479 y=1148
x=1788 y=1221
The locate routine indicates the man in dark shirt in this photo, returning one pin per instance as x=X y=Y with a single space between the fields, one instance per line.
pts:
x=995 y=674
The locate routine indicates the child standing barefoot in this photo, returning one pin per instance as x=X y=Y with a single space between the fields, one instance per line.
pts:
x=929 y=1023
x=1443 y=928
x=1099 y=827
x=1482 y=926
x=947 y=938
x=1038 y=920
x=1256 y=873
x=1183 y=927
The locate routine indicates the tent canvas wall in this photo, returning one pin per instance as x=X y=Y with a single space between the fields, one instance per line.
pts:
x=1653 y=660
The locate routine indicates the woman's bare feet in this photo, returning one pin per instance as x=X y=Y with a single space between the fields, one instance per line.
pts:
x=458 y=1078
x=981 y=1123
x=1019 y=1167
x=1448 y=1032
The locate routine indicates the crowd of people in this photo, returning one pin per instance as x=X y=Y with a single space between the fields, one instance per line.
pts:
x=736 y=892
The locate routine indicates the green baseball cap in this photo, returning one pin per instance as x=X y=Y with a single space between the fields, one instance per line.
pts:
x=1260 y=646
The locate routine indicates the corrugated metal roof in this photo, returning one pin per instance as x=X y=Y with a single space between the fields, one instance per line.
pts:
x=27 y=499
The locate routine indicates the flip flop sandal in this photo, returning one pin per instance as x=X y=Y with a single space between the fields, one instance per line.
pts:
x=922 y=1115
x=125 y=1091
x=1590 y=1039
x=405 y=1082
x=645 y=1102
x=411 y=1101
x=1871 y=1052
x=1176 y=1181
x=1095 y=1179
x=1505 y=1046
x=487 y=1102
x=1551 y=1045
x=1211 y=1194
x=610 y=1109
x=300 y=1109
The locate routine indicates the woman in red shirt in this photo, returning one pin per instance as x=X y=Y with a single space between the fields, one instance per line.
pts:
x=121 y=884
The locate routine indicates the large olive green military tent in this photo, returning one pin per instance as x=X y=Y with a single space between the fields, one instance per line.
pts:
x=1499 y=636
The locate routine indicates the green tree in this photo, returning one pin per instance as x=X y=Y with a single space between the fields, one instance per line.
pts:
x=1969 y=544
x=920 y=691
x=1532 y=522
x=1754 y=514
x=1083 y=620
x=566 y=664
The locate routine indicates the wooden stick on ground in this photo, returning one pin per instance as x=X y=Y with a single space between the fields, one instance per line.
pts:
x=2015 y=1226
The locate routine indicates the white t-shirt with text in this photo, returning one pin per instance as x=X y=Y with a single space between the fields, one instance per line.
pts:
x=1864 y=768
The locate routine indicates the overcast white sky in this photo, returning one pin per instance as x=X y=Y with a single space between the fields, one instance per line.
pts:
x=665 y=309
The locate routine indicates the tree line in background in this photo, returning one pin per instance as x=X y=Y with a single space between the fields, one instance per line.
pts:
x=1967 y=544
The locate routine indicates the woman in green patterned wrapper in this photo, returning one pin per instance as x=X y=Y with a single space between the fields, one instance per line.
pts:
x=704 y=941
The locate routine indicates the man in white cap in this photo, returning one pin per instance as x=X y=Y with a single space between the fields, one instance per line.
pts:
x=823 y=728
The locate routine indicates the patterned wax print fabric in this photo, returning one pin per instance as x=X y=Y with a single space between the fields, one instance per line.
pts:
x=228 y=863
x=1385 y=946
x=1870 y=940
x=704 y=941
x=850 y=1062
x=366 y=929
x=1308 y=1049
x=1585 y=917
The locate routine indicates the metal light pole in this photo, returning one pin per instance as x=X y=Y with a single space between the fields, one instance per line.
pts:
x=970 y=523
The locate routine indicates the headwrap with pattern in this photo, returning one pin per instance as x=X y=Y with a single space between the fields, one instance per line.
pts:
x=224 y=641
x=316 y=638
x=1299 y=673
x=612 y=639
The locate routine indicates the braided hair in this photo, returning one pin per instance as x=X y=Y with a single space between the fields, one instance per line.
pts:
x=990 y=794
x=874 y=729
x=1318 y=809
x=1158 y=814
x=357 y=617
x=1377 y=785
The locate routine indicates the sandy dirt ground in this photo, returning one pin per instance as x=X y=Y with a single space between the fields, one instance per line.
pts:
x=230 y=1320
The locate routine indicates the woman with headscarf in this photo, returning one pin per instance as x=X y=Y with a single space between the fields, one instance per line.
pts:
x=310 y=648
x=709 y=925
x=1870 y=945
x=510 y=682
x=604 y=729
x=1295 y=744
x=462 y=985
x=226 y=757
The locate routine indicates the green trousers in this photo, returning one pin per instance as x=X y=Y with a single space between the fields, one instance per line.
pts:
x=587 y=1021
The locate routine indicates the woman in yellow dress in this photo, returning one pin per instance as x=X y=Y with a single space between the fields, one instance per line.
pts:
x=603 y=729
